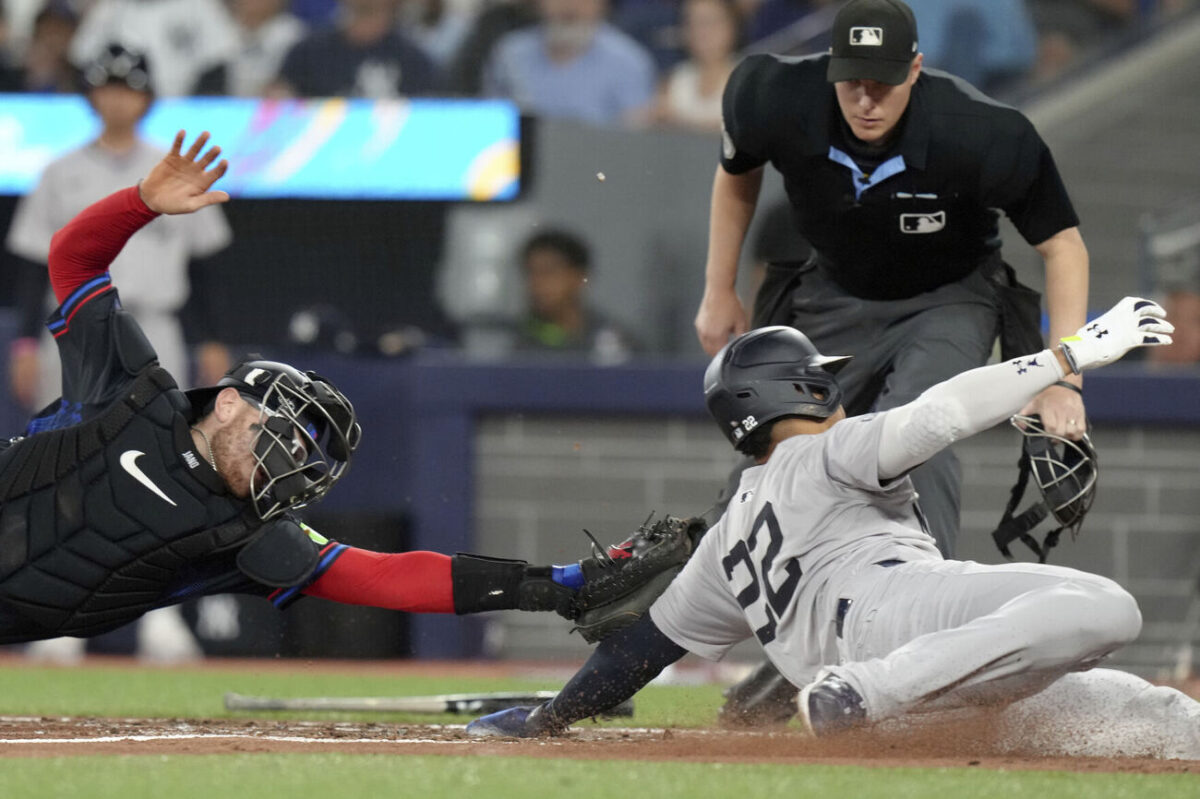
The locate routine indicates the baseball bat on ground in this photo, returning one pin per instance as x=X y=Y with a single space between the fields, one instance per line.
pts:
x=463 y=704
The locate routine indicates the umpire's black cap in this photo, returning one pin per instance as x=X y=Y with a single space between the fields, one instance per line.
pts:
x=873 y=40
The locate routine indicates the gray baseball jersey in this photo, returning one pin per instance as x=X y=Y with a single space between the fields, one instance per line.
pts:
x=151 y=269
x=813 y=516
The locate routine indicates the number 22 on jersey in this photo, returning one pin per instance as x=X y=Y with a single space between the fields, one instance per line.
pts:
x=774 y=600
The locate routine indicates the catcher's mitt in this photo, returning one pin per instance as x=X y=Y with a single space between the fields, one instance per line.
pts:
x=623 y=582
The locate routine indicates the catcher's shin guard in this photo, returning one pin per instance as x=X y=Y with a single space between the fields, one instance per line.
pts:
x=482 y=583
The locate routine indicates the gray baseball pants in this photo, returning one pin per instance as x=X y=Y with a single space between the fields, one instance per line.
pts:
x=926 y=635
x=932 y=636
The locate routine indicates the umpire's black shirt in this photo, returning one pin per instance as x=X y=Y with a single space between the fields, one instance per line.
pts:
x=921 y=213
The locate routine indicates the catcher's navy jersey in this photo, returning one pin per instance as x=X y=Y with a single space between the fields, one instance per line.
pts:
x=810 y=517
x=106 y=509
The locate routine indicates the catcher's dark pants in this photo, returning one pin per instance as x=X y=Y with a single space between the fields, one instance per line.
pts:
x=900 y=348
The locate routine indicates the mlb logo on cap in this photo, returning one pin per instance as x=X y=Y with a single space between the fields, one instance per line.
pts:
x=866 y=37
x=873 y=40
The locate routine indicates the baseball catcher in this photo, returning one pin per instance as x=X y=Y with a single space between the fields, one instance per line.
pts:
x=128 y=494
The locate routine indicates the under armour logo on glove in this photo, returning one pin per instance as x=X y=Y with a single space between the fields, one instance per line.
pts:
x=1119 y=330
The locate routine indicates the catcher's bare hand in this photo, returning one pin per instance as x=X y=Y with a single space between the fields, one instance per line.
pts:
x=180 y=182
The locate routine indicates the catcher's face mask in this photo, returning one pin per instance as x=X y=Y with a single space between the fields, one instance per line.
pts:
x=306 y=435
x=1065 y=473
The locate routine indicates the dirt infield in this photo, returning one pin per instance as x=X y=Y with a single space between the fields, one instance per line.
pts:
x=961 y=744
x=60 y=737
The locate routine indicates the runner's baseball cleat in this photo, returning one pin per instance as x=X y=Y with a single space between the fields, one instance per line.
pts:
x=830 y=705
x=509 y=723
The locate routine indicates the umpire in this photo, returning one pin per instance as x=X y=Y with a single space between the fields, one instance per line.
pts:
x=896 y=175
x=128 y=494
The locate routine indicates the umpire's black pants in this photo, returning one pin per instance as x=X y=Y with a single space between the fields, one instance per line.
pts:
x=900 y=348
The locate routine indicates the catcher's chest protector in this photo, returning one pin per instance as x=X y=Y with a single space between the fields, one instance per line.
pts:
x=96 y=520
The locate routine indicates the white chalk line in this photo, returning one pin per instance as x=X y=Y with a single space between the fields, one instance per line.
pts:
x=253 y=737
x=108 y=739
x=607 y=733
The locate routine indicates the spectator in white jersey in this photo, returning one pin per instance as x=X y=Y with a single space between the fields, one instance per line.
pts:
x=266 y=31
x=821 y=556
x=154 y=267
x=181 y=38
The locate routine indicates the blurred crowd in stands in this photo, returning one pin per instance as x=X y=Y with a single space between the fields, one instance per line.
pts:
x=609 y=62
x=615 y=63
x=1171 y=270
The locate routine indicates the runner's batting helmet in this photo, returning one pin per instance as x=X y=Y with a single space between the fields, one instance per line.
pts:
x=307 y=432
x=767 y=374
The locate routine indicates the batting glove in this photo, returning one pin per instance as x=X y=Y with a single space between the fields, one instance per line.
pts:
x=1132 y=322
x=514 y=722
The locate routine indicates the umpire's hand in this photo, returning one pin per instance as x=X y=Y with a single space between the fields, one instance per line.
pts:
x=721 y=315
x=1061 y=410
x=180 y=183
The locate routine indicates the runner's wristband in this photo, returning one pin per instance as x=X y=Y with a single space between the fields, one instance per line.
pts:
x=1066 y=351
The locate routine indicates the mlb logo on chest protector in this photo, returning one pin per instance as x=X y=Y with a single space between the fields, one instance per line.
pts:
x=866 y=37
x=923 y=223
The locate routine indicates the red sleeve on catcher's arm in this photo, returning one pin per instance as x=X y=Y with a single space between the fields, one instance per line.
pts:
x=87 y=245
x=418 y=582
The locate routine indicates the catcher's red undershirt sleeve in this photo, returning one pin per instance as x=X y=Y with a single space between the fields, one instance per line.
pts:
x=417 y=582
x=87 y=245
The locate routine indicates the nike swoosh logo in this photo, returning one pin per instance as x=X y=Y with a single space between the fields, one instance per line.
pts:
x=129 y=463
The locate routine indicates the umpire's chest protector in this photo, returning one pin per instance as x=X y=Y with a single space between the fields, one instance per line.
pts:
x=97 y=519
